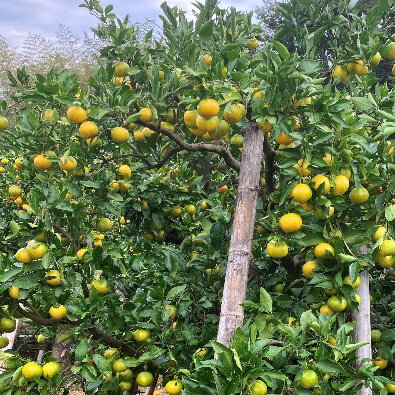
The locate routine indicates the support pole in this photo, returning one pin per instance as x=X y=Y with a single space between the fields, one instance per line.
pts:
x=362 y=330
x=236 y=279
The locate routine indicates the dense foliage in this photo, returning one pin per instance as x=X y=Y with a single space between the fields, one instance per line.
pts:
x=117 y=204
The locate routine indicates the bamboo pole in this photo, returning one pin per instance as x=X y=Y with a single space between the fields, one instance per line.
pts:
x=235 y=287
x=362 y=330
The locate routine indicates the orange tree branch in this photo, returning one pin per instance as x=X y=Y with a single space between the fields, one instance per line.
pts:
x=197 y=147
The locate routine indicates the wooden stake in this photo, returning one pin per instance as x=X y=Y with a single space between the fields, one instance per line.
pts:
x=362 y=330
x=235 y=287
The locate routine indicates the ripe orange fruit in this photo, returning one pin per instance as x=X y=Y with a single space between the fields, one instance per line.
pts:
x=76 y=114
x=341 y=185
x=53 y=277
x=355 y=285
x=328 y=159
x=104 y=224
x=172 y=310
x=23 y=256
x=321 y=250
x=31 y=370
x=222 y=189
x=277 y=250
x=3 y=342
x=14 y=191
x=259 y=388
x=109 y=353
x=346 y=172
x=3 y=124
x=144 y=379
x=208 y=108
x=321 y=179
x=121 y=69
x=80 y=253
x=88 y=130
x=387 y=247
x=308 y=269
x=290 y=222
x=125 y=171
x=42 y=162
x=337 y=303
x=381 y=363
x=14 y=293
x=253 y=43
x=237 y=112
x=125 y=385
x=375 y=59
x=37 y=250
x=301 y=193
x=118 y=365
x=309 y=379
x=337 y=71
x=326 y=310
x=379 y=233
x=207 y=125
x=50 y=369
x=146 y=115
x=359 y=195
x=141 y=335
x=302 y=168
x=68 y=163
x=101 y=287
x=385 y=262
x=284 y=139
x=120 y=135
x=190 y=119
x=174 y=387
x=266 y=126
x=207 y=59
x=58 y=312
x=7 y=325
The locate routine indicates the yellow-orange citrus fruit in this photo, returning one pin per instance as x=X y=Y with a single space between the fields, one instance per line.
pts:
x=190 y=119
x=321 y=250
x=308 y=269
x=290 y=222
x=42 y=162
x=53 y=277
x=76 y=114
x=208 y=108
x=301 y=193
x=277 y=250
x=302 y=168
x=321 y=179
x=58 y=312
x=68 y=163
x=120 y=135
x=88 y=130
x=283 y=139
x=359 y=195
x=146 y=115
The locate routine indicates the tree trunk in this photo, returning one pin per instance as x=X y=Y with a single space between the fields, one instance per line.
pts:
x=235 y=287
x=362 y=330
x=61 y=348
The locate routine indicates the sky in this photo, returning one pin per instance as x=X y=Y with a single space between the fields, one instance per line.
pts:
x=18 y=18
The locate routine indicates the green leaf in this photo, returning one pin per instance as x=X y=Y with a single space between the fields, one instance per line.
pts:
x=175 y=292
x=330 y=367
x=102 y=363
x=389 y=213
x=206 y=31
x=9 y=274
x=14 y=229
x=388 y=335
x=362 y=103
x=281 y=49
x=81 y=350
x=265 y=300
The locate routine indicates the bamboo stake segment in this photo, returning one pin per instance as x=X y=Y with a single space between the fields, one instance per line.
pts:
x=235 y=287
x=362 y=330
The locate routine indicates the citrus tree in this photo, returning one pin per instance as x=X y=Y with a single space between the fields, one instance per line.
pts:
x=118 y=200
